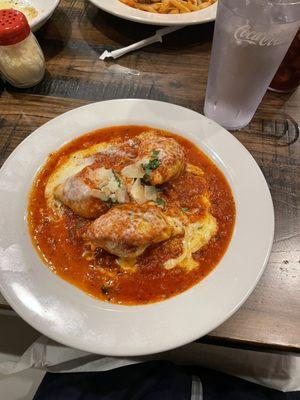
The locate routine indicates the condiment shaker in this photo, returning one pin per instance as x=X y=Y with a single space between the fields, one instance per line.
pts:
x=22 y=62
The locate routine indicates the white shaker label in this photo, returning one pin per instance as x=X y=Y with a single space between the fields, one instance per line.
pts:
x=247 y=35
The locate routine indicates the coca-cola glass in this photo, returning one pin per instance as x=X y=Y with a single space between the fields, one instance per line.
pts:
x=251 y=38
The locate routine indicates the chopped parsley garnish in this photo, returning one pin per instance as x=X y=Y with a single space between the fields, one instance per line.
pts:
x=154 y=163
x=160 y=202
x=185 y=209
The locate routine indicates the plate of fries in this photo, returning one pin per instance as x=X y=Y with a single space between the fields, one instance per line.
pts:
x=161 y=12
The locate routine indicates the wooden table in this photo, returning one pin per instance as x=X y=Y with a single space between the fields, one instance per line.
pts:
x=175 y=72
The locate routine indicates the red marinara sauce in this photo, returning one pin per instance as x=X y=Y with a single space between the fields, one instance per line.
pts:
x=61 y=247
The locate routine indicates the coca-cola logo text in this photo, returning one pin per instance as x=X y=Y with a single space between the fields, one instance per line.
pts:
x=248 y=35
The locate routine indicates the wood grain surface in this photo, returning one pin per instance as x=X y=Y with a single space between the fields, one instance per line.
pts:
x=175 y=71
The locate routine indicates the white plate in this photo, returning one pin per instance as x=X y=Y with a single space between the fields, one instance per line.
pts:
x=121 y=10
x=45 y=10
x=68 y=315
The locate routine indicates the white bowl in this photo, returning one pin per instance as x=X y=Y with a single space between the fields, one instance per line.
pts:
x=121 y=10
x=45 y=9
x=67 y=314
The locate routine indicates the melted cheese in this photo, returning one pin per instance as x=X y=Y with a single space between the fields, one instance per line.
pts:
x=197 y=235
x=194 y=170
x=127 y=264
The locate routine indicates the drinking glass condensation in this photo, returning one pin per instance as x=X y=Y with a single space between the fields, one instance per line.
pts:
x=250 y=40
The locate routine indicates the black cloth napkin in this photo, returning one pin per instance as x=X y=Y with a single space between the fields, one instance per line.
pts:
x=155 y=380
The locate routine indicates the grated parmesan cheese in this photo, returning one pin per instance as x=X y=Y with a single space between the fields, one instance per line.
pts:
x=133 y=171
x=142 y=193
x=22 y=64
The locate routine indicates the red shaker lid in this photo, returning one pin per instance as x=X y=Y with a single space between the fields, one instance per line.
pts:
x=14 y=27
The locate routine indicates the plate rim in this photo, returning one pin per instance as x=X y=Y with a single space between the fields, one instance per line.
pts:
x=183 y=339
x=157 y=19
x=37 y=22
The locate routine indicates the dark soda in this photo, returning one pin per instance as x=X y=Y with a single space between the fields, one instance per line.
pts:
x=287 y=78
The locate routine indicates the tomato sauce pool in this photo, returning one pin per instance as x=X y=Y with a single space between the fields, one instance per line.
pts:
x=62 y=249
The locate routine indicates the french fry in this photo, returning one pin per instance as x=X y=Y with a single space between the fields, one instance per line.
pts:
x=169 y=6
